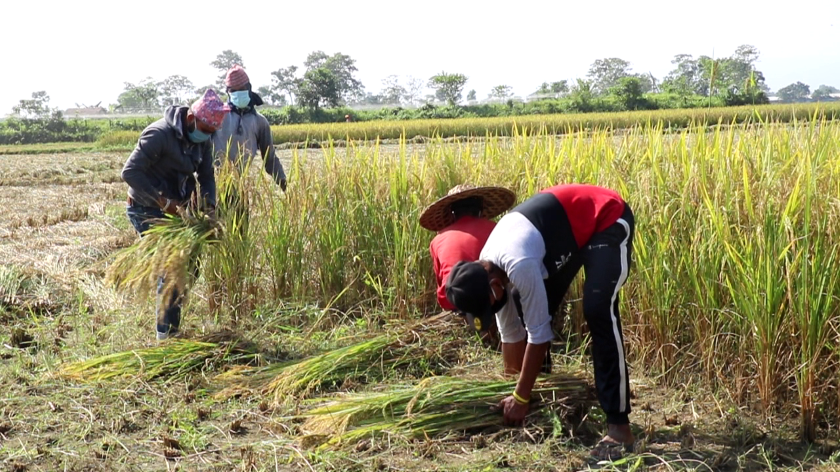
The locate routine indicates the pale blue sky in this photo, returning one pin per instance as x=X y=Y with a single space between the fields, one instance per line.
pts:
x=82 y=51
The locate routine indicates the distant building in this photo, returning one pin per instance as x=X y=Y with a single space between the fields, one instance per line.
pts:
x=89 y=111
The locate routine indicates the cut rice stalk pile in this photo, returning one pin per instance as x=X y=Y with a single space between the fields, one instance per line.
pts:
x=435 y=407
x=174 y=359
x=171 y=248
x=427 y=347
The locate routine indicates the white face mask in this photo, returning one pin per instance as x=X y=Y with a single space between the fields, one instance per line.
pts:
x=240 y=98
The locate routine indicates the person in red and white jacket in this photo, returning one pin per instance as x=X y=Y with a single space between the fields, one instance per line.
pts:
x=536 y=250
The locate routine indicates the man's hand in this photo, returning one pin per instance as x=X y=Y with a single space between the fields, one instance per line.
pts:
x=168 y=206
x=211 y=214
x=283 y=184
x=514 y=411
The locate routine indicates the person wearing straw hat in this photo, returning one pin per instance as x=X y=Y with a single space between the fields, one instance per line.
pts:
x=462 y=221
x=170 y=168
x=538 y=248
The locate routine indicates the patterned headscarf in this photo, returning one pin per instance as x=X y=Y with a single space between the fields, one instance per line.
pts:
x=209 y=109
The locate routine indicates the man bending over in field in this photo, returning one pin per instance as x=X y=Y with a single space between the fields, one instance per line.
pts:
x=172 y=156
x=537 y=249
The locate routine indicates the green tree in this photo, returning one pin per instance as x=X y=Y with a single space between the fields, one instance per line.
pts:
x=140 y=96
x=581 y=96
x=414 y=90
x=560 y=88
x=543 y=89
x=501 y=92
x=448 y=87
x=271 y=98
x=37 y=107
x=686 y=78
x=392 y=91
x=553 y=89
x=823 y=93
x=735 y=74
x=604 y=73
x=629 y=91
x=319 y=88
x=175 y=90
x=343 y=68
x=223 y=62
x=472 y=96
x=796 y=92
x=285 y=81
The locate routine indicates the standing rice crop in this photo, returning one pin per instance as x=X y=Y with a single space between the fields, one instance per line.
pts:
x=736 y=242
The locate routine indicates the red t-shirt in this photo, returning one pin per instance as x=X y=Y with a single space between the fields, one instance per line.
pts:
x=589 y=208
x=460 y=241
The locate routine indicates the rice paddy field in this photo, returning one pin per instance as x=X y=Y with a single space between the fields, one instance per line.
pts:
x=312 y=340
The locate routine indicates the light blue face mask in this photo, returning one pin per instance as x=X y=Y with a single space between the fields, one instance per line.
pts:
x=240 y=98
x=198 y=136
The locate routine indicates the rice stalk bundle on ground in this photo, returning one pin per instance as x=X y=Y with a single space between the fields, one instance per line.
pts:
x=170 y=248
x=435 y=407
x=428 y=346
x=174 y=359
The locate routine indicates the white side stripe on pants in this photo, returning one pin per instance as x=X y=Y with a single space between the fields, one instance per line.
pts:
x=622 y=367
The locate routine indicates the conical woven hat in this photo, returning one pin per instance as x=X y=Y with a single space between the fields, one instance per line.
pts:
x=438 y=215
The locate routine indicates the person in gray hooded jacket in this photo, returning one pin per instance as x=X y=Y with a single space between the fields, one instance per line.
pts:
x=245 y=132
x=172 y=167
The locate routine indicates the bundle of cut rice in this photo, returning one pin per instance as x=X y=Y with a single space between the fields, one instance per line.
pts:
x=173 y=359
x=426 y=347
x=435 y=407
x=170 y=248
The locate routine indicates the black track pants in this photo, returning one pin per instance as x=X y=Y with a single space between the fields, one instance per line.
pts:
x=606 y=263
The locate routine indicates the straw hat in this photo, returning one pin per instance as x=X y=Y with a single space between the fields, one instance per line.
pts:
x=438 y=215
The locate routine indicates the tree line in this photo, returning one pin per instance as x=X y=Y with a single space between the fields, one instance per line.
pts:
x=329 y=81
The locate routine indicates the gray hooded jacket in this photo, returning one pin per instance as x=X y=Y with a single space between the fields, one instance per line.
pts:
x=245 y=133
x=166 y=163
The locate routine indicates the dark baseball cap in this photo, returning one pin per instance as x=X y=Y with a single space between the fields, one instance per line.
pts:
x=468 y=289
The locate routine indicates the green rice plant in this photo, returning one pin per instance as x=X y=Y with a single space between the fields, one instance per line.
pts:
x=172 y=360
x=428 y=346
x=170 y=248
x=434 y=407
x=229 y=267
x=812 y=285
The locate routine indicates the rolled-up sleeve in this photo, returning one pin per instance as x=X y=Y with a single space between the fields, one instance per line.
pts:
x=509 y=324
x=527 y=278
